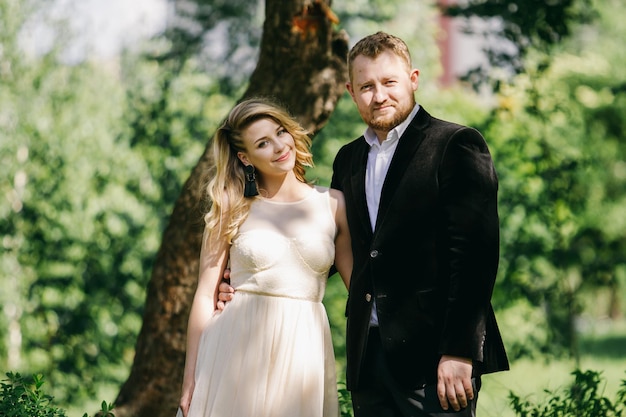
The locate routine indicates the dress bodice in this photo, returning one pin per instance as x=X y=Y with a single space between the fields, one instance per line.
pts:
x=285 y=249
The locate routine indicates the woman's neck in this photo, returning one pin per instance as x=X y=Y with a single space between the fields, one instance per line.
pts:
x=284 y=189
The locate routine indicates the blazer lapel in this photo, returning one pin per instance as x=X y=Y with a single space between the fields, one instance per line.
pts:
x=408 y=144
x=357 y=183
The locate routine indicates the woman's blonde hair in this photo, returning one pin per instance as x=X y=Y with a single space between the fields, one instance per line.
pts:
x=229 y=208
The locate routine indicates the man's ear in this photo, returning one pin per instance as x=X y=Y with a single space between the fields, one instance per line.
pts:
x=415 y=78
x=349 y=89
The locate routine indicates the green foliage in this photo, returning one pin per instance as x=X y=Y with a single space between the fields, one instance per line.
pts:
x=519 y=27
x=21 y=397
x=82 y=217
x=583 y=398
x=199 y=26
x=79 y=213
x=171 y=112
x=344 y=125
x=531 y=332
x=557 y=141
x=24 y=397
x=105 y=410
x=345 y=401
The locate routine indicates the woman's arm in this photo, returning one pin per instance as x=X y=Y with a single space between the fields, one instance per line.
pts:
x=343 y=245
x=213 y=259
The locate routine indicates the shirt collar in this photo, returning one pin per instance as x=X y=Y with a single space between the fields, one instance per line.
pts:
x=395 y=133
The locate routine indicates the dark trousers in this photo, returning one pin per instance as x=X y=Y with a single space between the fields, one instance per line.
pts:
x=380 y=395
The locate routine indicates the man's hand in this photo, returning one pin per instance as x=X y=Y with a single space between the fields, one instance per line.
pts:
x=454 y=382
x=225 y=291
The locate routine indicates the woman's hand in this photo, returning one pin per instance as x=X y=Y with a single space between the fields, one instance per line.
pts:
x=185 y=398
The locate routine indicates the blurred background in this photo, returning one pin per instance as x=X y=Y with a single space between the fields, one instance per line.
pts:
x=107 y=106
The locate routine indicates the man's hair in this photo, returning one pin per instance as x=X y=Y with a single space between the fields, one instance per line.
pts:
x=373 y=45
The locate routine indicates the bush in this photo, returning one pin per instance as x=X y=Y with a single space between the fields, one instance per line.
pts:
x=23 y=397
x=581 y=399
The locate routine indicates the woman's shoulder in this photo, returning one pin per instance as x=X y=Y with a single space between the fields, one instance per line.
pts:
x=333 y=193
x=334 y=197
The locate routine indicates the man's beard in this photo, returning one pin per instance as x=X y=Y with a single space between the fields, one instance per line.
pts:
x=386 y=125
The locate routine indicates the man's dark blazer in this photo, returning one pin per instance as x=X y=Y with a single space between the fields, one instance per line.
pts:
x=431 y=261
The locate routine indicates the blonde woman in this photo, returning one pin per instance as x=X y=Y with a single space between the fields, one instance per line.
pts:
x=270 y=353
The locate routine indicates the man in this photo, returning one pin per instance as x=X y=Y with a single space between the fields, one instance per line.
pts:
x=421 y=200
x=421 y=196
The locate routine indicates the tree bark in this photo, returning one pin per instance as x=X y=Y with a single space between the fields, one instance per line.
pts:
x=302 y=63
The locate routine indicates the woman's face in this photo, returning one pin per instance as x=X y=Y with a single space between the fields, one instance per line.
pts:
x=269 y=148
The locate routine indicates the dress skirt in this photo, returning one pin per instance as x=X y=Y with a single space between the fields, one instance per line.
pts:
x=266 y=356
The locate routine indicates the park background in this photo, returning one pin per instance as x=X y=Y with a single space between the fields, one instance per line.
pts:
x=98 y=143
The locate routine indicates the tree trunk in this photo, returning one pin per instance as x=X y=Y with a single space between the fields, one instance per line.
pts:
x=302 y=63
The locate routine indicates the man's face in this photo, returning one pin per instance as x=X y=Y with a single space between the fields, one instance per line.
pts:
x=383 y=90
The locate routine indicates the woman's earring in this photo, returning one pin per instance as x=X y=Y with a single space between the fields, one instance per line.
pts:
x=250 y=189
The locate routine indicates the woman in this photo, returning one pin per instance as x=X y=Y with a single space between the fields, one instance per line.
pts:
x=270 y=353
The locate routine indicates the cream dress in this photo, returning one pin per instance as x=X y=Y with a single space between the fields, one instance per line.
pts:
x=269 y=353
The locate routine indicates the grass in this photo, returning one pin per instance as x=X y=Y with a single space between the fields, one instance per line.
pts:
x=601 y=350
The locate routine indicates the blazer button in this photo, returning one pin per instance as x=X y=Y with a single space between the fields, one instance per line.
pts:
x=368 y=297
x=373 y=253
